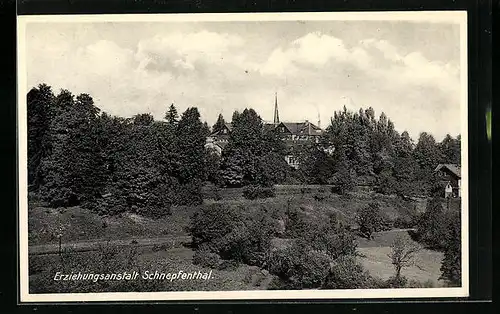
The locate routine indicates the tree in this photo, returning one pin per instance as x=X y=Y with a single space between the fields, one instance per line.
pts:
x=171 y=116
x=190 y=168
x=370 y=219
x=140 y=181
x=235 y=116
x=432 y=224
x=252 y=155
x=316 y=166
x=40 y=102
x=333 y=239
x=403 y=254
x=344 y=177
x=452 y=262
x=427 y=155
x=450 y=150
x=219 y=124
x=74 y=171
x=143 y=119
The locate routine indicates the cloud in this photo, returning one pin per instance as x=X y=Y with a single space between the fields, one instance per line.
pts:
x=222 y=71
x=189 y=52
x=378 y=58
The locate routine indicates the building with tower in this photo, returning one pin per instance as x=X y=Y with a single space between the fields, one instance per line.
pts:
x=293 y=133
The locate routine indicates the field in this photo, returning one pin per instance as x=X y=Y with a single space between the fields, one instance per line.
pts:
x=164 y=244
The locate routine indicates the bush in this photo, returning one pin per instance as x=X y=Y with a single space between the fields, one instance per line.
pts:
x=299 y=267
x=370 y=219
x=319 y=197
x=346 y=273
x=205 y=258
x=451 y=265
x=396 y=282
x=433 y=224
x=403 y=222
x=419 y=284
x=252 y=192
x=330 y=238
x=233 y=233
x=295 y=223
x=214 y=221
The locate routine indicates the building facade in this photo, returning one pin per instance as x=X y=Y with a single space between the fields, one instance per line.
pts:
x=450 y=176
x=293 y=133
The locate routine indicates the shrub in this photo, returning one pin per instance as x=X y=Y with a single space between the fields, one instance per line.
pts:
x=205 y=258
x=419 y=284
x=233 y=234
x=213 y=221
x=299 y=267
x=277 y=284
x=370 y=219
x=403 y=222
x=330 y=238
x=319 y=197
x=228 y=265
x=346 y=273
x=252 y=192
x=295 y=223
x=396 y=282
x=451 y=265
x=432 y=225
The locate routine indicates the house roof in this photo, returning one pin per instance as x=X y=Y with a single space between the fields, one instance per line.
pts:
x=453 y=168
x=302 y=128
x=295 y=128
x=228 y=126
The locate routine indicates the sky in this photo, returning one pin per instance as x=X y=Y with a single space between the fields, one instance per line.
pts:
x=409 y=70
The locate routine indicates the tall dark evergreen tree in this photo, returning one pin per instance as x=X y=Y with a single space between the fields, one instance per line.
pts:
x=74 y=171
x=40 y=102
x=172 y=116
x=190 y=141
x=451 y=265
x=219 y=124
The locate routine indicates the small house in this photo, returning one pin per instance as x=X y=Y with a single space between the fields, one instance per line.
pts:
x=450 y=176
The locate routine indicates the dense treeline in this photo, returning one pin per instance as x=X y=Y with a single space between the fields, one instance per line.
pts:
x=78 y=155
x=356 y=149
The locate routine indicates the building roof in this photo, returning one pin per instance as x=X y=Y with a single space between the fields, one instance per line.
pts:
x=228 y=126
x=295 y=128
x=453 y=168
x=302 y=128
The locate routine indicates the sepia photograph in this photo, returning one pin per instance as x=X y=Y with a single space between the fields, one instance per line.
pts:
x=243 y=156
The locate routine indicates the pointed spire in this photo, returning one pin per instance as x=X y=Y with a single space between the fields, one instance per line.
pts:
x=276 y=113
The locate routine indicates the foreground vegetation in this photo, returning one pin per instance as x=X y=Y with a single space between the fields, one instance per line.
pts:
x=285 y=242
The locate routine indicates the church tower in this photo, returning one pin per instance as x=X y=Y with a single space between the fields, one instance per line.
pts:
x=276 y=113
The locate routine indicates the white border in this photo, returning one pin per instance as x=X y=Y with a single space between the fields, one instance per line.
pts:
x=455 y=17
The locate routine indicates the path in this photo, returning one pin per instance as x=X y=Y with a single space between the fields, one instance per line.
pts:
x=85 y=246
x=396 y=230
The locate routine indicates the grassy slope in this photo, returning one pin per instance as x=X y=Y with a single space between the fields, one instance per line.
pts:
x=81 y=225
x=376 y=260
